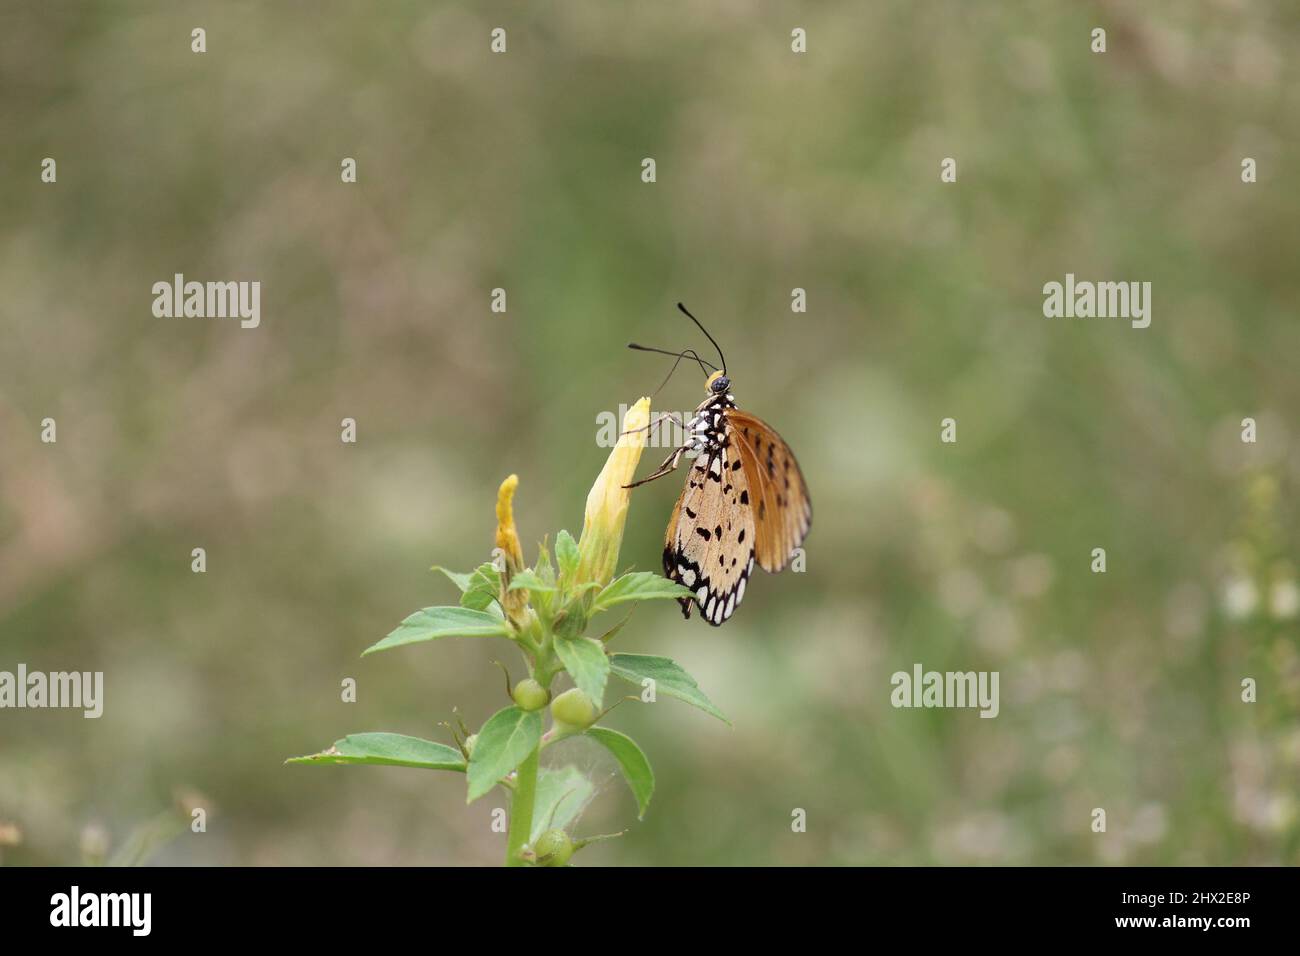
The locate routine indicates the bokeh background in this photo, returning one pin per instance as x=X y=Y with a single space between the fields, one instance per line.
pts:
x=774 y=171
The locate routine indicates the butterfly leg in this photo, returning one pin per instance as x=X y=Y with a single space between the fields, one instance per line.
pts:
x=669 y=464
x=668 y=416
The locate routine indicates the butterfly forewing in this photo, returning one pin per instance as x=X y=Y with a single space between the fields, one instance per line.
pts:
x=710 y=542
x=782 y=510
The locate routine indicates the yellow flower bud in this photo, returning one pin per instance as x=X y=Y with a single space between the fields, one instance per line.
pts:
x=602 y=526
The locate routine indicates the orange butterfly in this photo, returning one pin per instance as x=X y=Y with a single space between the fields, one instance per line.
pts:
x=745 y=498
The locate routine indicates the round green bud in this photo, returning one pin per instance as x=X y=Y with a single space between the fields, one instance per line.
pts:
x=530 y=695
x=553 y=848
x=573 y=710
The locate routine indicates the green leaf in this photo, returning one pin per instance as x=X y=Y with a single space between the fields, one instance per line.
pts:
x=669 y=679
x=636 y=769
x=562 y=794
x=460 y=580
x=638 y=586
x=504 y=741
x=566 y=555
x=484 y=588
x=435 y=622
x=394 y=750
x=527 y=580
x=586 y=663
x=543 y=566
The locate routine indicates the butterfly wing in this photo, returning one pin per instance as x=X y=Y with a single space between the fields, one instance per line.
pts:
x=710 y=542
x=782 y=510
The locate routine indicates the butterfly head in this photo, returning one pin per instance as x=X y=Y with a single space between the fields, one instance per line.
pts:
x=717 y=383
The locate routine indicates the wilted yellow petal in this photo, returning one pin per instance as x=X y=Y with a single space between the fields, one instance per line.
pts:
x=507 y=536
x=607 y=503
x=514 y=602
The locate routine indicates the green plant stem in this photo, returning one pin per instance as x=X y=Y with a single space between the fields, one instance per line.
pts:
x=524 y=797
x=521 y=808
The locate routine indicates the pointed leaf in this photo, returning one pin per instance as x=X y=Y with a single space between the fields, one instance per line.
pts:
x=436 y=622
x=484 y=588
x=394 y=750
x=669 y=679
x=562 y=794
x=504 y=741
x=638 y=586
x=635 y=767
x=543 y=566
x=457 y=578
x=526 y=579
x=586 y=663
x=566 y=555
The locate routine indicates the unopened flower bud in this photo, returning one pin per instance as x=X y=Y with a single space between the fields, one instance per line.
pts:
x=553 y=848
x=573 y=711
x=606 y=513
x=530 y=695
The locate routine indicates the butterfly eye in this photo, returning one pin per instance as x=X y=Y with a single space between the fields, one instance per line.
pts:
x=721 y=384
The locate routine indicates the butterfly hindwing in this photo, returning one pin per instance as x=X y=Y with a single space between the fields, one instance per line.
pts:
x=782 y=510
x=710 y=543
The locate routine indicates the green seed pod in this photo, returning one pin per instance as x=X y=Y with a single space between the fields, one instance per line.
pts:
x=573 y=711
x=553 y=848
x=531 y=695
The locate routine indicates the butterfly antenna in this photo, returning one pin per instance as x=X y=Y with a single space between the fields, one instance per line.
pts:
x=706 y=334
x=670 y=373
x=679 y=356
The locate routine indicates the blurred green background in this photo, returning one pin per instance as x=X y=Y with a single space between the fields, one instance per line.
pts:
x=774 y=171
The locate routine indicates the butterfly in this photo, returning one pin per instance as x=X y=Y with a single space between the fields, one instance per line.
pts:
x=745 y=498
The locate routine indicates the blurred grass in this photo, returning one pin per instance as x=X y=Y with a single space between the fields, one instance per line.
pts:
x=774 y=171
